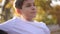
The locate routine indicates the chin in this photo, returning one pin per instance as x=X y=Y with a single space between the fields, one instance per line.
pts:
x=33 y=17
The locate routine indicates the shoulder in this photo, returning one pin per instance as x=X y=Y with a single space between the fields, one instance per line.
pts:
x=8 y=25
x=42 y=23
x=8 y=22
x=43 y=26
x=5 y=25
x=11 y=21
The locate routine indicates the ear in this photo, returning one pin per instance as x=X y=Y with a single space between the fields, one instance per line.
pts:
x=18 y=11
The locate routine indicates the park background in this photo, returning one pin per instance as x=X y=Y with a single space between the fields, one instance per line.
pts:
x=48 y=11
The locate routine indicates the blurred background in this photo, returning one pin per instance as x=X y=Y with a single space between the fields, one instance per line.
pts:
x=48 y=11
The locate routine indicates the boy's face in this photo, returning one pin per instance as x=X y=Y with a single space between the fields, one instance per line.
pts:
x=28 y=9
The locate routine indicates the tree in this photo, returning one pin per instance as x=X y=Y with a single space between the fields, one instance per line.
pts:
x=45 y=10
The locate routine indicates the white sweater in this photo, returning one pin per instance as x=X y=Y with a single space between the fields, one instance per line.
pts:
x=19 y=26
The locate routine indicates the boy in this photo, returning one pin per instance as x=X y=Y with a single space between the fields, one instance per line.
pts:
x=24 y=23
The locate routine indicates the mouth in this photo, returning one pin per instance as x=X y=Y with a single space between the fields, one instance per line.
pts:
x=33 y=12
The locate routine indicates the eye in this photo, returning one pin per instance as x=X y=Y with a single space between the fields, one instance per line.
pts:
x=28 y=5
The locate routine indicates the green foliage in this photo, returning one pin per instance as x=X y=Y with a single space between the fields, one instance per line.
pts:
x=44 y=11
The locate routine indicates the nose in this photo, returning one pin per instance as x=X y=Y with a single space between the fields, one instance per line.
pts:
x=33 y=8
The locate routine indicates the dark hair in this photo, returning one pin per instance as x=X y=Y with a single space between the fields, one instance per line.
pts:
x=19 y=3
x=3 y=32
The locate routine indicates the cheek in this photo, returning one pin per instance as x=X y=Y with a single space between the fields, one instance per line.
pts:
x=26 y=13
x=26 y=10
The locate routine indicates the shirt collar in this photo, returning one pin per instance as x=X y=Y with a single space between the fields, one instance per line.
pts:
x=22 y=19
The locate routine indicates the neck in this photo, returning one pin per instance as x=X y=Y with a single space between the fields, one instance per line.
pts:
x=27 y=19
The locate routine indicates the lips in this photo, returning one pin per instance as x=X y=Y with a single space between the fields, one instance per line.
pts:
x=33 y=12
